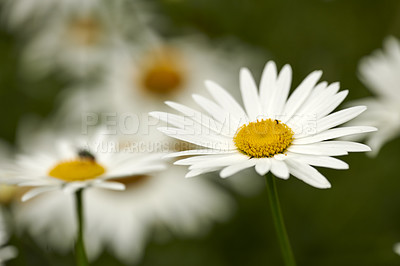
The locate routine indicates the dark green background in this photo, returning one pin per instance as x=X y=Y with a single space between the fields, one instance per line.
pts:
x=356 y=222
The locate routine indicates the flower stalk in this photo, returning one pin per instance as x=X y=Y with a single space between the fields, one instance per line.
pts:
x=280 y=228
x=80 y=252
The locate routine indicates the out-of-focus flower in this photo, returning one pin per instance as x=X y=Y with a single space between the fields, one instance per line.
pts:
x=143 y=77
x=273 y=132
x=75 y=43
x=396 y=248
x=122 y=222
x=33 y=14
x=153 y=204
x=70 y=163
x=380 y=73
x=23 y=13
x=74 y=37
x=6 y=252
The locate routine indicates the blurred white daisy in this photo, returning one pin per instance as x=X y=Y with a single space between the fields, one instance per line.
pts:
x=273 y=133
x=141 y=78
x=24 y=13
x=56 y=162
x=6 y=252
x=396 y=248
x=153 y=204
x=122 y=222
x=380 y=73
x=78 y=43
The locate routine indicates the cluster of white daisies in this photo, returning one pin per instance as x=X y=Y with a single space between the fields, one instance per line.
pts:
x=111 y=135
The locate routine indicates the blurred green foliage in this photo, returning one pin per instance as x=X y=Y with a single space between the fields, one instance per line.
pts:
x=356 y=222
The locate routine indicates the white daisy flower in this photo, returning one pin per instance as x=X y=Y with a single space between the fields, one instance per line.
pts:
x=57 y=163
x=6 y=252
x=380 y=73
x=123 y=222
x=277 y=133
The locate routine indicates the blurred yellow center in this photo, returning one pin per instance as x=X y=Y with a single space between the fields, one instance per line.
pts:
x=85 y=31
x=77 y=170
x=162 y=72
x=263 y=138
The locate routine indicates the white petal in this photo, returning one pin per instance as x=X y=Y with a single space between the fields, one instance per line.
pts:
x=217 y=112
x=318 y=98
x=199 y=159
x=70 y=188
x=40 y=182
x=130 y=169
x=235 y=168
x=196 y=116
x=193 y=173
x=348 y=146
x=268 y=84
x=249 y=92
x=212 y=141
x=339 y=118
x=223 y=98
x=37 y=191
x=197 y=172
x=219 y=162
x=300 y=94
x=171 y=119
x=263 y=166
x=110 y=185
x=283 y=88
x=316 y=149
x=279 y=169
x=334 y=133
x=307 y=174
x=196 y=152
x=322 y=161
x=332 y=103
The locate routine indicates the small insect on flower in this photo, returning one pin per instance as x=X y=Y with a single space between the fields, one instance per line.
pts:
x=86 y=155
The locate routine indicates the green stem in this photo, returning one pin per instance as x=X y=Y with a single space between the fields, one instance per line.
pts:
x=278 y=222
x=80 y=253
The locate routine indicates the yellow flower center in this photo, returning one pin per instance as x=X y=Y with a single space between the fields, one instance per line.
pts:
x=162 y=72
x=77 y=170
x=263 y=138
x=85 y=31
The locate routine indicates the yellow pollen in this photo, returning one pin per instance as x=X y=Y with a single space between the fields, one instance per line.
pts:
x=263 y=138
x=162 y=72
x=77 y=170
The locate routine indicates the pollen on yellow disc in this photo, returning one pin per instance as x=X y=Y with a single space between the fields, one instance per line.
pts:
x=77 y=170
x=263 y=138
x=162 y=72
x=85 y=31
